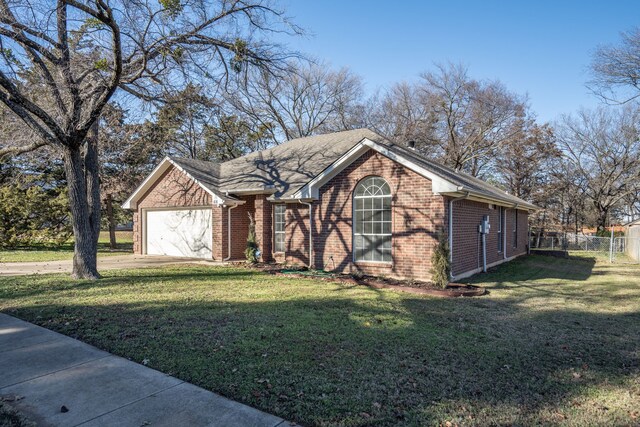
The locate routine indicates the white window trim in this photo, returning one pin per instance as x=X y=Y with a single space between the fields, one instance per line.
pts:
x=275 y=230
x=501 y=229
x=353 y=225
x=515 y=229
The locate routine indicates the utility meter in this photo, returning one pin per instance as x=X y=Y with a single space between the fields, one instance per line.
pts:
x=484 y=227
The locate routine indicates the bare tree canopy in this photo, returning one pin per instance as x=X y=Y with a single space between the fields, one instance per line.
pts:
x=602 y=152
x=309 y=99
x=451 y=117
x=62 y=61
x=616 y=69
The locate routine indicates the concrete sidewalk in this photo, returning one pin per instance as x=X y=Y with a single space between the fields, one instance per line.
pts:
x=49 y=371
x=112 y=262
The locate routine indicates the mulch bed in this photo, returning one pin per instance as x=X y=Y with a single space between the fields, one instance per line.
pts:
x=453 y=290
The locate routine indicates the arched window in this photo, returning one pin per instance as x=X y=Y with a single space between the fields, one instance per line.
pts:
x=372 y=220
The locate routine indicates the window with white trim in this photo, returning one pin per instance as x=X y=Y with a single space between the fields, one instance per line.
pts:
x=500 y=235
x=372 y=220
x=515 y=228
x=279 y=213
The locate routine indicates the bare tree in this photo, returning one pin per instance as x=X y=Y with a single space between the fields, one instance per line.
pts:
x=451 y=117
x=616 y=69
x=401 y=114
x=81 y=52
x=473 y=118
x=126 y=153
x=308 y=99
x=526 y=160
x=602 y=152
x=183 y=121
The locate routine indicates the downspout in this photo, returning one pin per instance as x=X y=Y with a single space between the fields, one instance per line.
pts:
x=451 y=229
x=229 y=231
x=310 y=205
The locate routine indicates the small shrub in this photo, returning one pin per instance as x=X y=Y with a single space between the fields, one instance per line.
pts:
x=252 y=252
x=441 y=267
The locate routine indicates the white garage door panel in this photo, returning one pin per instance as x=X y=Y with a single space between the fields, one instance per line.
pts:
x=182 y=232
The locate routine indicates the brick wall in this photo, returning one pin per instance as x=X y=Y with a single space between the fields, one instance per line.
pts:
x=523 y=232
x=297 y=234
x=467 y=249
x=264 y=226
x=239 y=228
x=172 y=189
x=417 y=216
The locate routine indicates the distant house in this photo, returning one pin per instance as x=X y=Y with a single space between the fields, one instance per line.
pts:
x=632 y=237
x=375 y=207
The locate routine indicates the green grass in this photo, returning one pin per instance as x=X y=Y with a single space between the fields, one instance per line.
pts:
x=555 y=342
x=65 y=251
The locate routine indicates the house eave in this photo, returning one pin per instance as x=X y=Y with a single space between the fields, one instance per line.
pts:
x=132 y=202
x=267 y=189
x=312 y=188
x=478 y=197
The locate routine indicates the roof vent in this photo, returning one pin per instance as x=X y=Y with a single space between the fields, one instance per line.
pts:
x=412 y=144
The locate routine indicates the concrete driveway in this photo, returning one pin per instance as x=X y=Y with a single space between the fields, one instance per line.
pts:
x=104 y=263
x=59 y=381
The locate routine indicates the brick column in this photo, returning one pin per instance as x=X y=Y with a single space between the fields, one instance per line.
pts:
x=219 y=232
x=264 y=232
x=137 y=233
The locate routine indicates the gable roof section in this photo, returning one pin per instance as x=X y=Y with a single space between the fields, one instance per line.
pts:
x=298 y=168
x=464 y=182
x=287 y=167
x=194 y=169
x=445 y=180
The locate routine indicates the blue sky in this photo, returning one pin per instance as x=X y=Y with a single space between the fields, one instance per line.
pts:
x=541 y=48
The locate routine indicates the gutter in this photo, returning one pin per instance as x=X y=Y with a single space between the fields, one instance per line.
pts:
x=309 y=204
x=451 y=228
x=267 y=189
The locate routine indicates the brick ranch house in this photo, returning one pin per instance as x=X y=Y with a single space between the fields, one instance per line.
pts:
x=375 y=208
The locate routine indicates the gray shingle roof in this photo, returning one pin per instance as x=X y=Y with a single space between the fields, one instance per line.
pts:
x=287 y=167
x=468 y=182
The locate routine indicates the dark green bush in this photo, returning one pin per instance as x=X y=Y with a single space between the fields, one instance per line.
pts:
x=440 y=265
x=32 y=216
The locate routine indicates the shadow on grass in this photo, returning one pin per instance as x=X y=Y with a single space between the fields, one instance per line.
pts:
x=326 y=359
x=52 y=284
x=537 y=267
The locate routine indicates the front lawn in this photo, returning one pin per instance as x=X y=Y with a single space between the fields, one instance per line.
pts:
x=555 y=342
x=41 y=253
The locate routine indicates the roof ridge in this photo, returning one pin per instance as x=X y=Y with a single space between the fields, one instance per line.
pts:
x=300 y=140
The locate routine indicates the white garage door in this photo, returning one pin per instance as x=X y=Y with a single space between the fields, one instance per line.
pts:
x=181 y=232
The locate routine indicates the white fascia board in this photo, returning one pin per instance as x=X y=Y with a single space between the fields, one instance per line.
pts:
x=270 y=189
x=439 y=185
x=132 y=201
x=311 y=189
x=495 y=201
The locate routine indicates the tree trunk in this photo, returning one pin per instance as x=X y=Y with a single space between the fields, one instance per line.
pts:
x=81 y=170
x=112 y=222
x=601 y=220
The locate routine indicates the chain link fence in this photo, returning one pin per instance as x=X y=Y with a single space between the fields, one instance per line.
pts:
x=619 y=249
